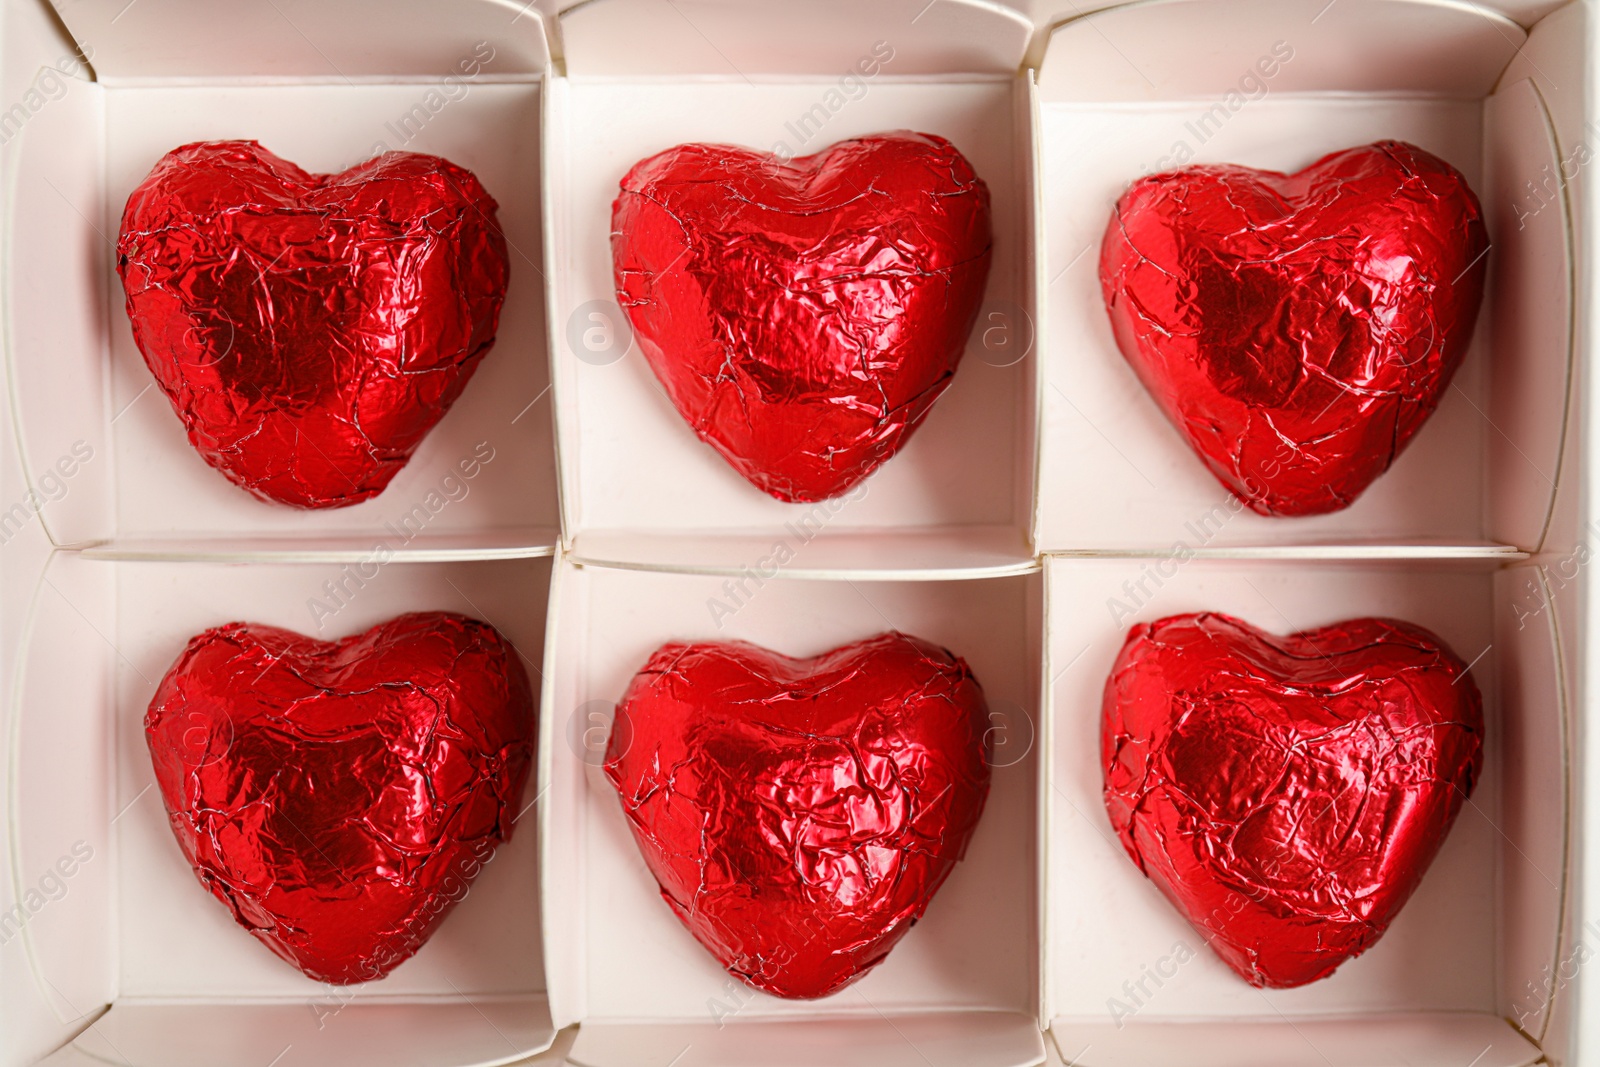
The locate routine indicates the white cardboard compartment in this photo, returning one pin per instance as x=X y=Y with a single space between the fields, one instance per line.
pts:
x=1125 y=92
x=75 y=374
x=637 y=485
x=135 y=930
x=1467 y=952
x=1406 y=49
x=958 y=990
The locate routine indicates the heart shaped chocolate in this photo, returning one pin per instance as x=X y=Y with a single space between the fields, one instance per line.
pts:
x=340 y=797
x=1287 y=794
x=310 y=329
x=803 y=316
x=799 y=814
x=1298 y=329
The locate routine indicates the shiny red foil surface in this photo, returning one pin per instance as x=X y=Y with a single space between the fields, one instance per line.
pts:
x=1298 y=329
x=803 y=316
x=799 y=814
x=310 y=329
x=340 y=797
x=1287 y=794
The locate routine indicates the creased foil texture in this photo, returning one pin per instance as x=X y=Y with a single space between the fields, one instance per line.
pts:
x=1287 y=794
x=1298 y=329
x=340 y=797
x=310 y=329
x=800 y=814
x=803 y=316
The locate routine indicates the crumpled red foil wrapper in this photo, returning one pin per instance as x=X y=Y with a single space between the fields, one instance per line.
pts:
x=340 y=797
x=1287 y=794
x=310 y=329
x=1298 y=329
x=799 y=814
x=803 y=316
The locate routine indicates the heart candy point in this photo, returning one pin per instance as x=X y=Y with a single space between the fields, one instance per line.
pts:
x=799 y=815
x=340 y=797
x=1298 y=329
x=803 y=316
x=1287 y=794
x=310 y=329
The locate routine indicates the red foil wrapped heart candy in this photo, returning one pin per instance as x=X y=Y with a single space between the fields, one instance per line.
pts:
x=799 y=814
x=803 y=316
x=310 y=329
x=1298 y=329
x=1287 y=793
x=340 y=797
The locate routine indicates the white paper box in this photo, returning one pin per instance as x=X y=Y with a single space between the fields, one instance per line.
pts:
x=1483 y=531
x=643 y=77
x=959 y=989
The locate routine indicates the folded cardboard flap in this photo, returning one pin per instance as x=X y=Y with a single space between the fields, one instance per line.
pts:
x=56 y=260
x=1566 y=1004
x=1525 y=13
x=1146 y=52
x=301 y=39
x=1434 y=1039
x=527 y=542
x=1534 y=737
x=1556 y=206
x=750 y=38
x=1528 y=313
x=61 y=777
x=806 y=548
x=954 y=1039
x=332 y=1027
